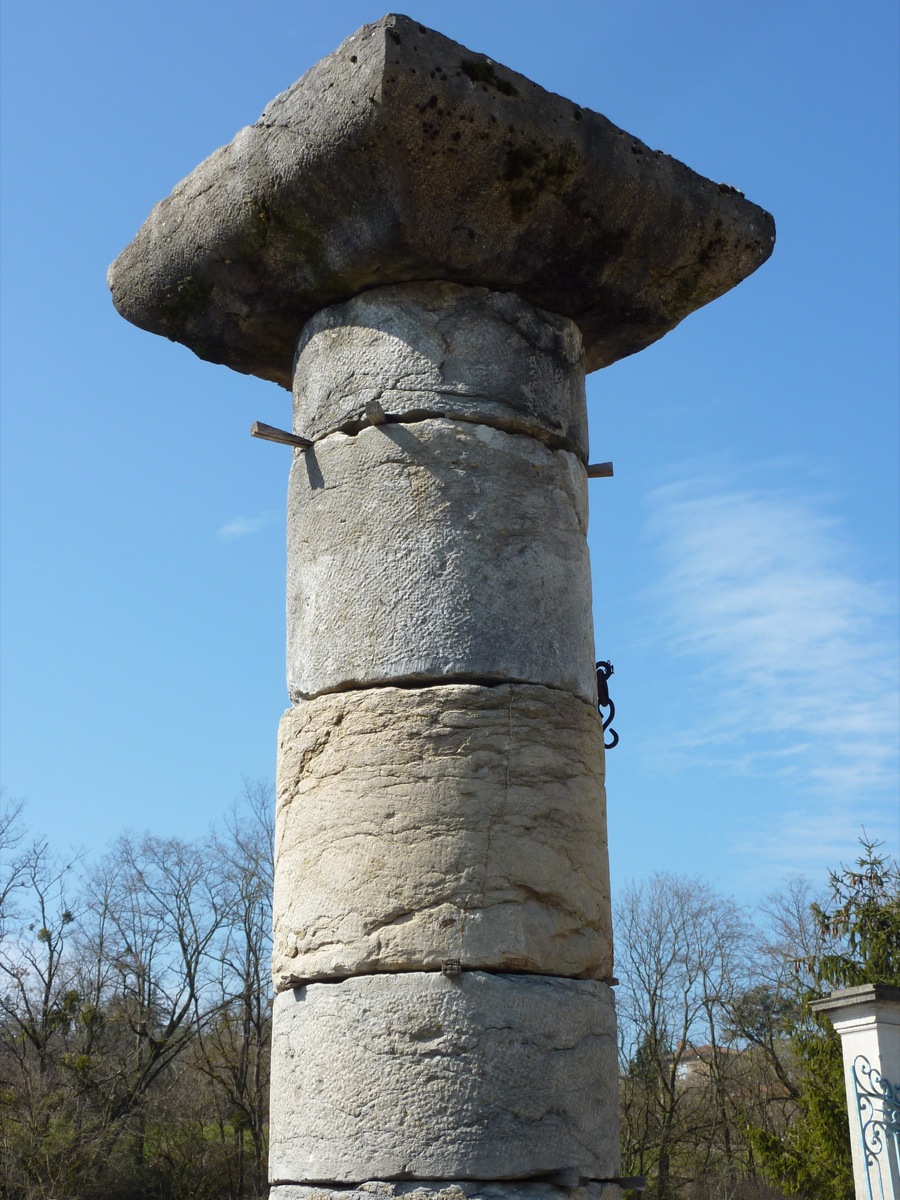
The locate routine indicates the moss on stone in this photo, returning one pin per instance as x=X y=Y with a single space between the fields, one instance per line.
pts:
x=483 y=71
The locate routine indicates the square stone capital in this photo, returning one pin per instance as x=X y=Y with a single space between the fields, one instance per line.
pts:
x=404 y=156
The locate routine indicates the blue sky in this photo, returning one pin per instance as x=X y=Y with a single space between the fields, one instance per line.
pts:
x=745 y=556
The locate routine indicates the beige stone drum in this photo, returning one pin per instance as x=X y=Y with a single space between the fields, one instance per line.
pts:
x=425 y=824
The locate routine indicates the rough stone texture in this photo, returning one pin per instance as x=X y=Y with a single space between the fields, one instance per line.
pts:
x=436 y=551
x=405 y=156
x=449 y=1190
x=460 y=822
x=417 y=1075
x=439 y=349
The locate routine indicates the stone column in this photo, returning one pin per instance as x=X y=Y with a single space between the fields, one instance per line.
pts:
x=442 y=900
x=430 y=250
x=868 y=1021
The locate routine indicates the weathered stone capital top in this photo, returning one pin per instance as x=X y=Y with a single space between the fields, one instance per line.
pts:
x=404 y=156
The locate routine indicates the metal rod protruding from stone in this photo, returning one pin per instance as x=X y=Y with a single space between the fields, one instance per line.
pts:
x=269 y=433
x=600 y=470
x=375 y=413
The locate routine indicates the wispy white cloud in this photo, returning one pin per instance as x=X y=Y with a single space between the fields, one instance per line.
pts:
x=793 y=651
x=239 y=527
x=807 y=840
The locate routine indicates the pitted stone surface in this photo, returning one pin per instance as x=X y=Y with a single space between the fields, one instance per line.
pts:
x=442 y=350
x=403 y=155
x=459 y=822
x=437 y=551
x=449 y=1190
x=417 y=1075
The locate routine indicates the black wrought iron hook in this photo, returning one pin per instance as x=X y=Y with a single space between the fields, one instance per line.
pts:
x=604 y=670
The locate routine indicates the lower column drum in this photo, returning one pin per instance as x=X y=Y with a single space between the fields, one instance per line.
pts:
x=423 y=1076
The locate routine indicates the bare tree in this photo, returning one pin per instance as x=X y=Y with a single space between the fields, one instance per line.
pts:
x=134 y=1014
x=39 y=1121
x=11 y=860
x=683 y=952
x=233 y=1049
x=159 y=912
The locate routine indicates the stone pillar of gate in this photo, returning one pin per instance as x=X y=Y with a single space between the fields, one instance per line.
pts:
x=868 y=1021
x=430 y=251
